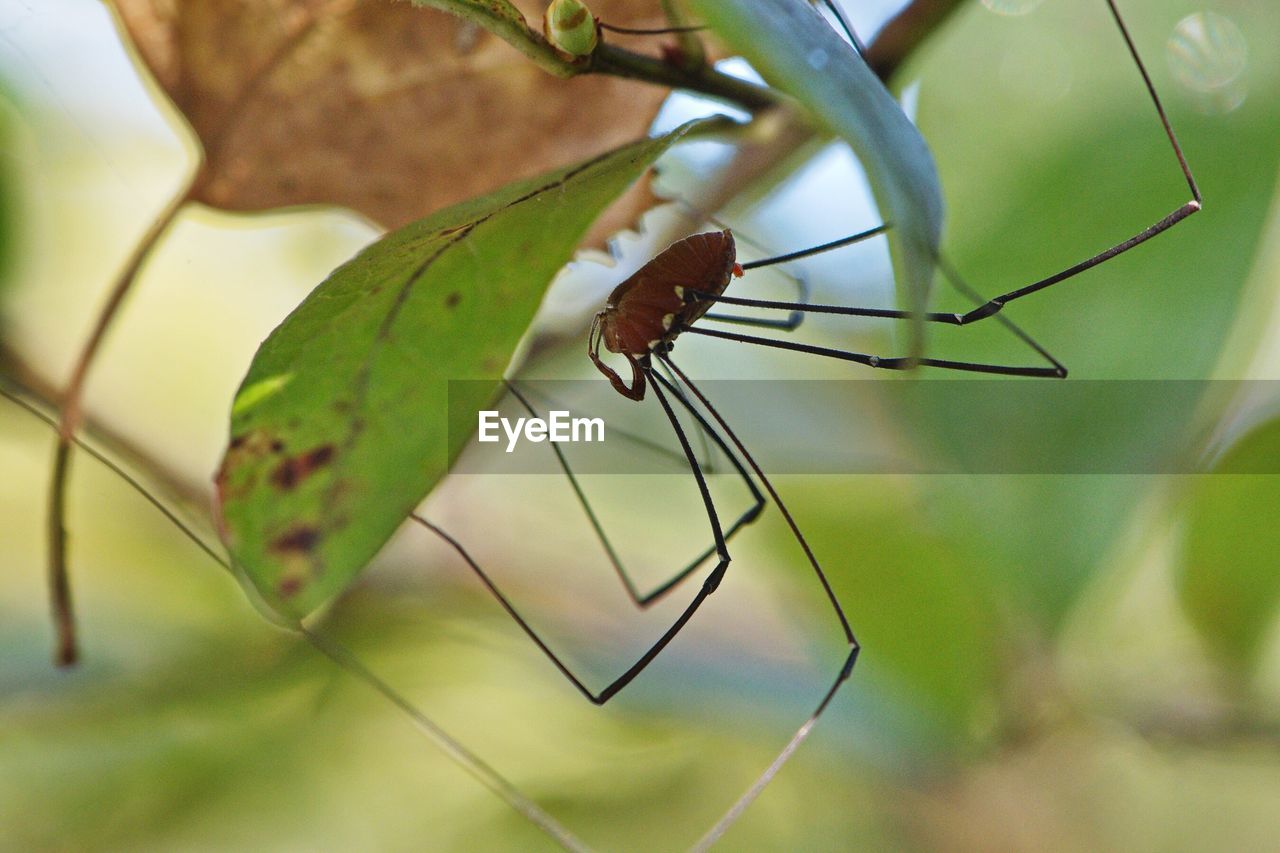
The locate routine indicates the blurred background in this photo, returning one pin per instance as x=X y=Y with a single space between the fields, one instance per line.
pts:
x=1051 y=661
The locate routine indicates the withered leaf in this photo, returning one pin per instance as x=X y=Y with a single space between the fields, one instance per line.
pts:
x=382 y=107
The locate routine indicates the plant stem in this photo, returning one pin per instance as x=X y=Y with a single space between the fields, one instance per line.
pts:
x=66 y=651
x=898 y=39
x=905 y=33
x=504 y=21
x=479 y=769
x=705 y=80
x=895 y=43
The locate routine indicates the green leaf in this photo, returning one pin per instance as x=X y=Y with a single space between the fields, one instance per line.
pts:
x=1228 y=582
x=340 y=427
x=796 y=50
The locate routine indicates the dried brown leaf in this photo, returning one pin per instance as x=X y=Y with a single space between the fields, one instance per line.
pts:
x=382 y=107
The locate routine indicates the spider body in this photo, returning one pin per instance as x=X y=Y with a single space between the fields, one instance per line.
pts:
x=648 y=311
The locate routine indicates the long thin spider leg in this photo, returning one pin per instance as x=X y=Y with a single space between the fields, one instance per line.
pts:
x=951 y=275
x=993 y=305
x=796 y=309
x=645 y=600
x=708 y=586
x=184 y=527
x=757 y=498
x=764 y=480
x=1155 y=99
x=790 y=324
x=812 y=308
x=639 y=31
x=847 y=27
x=614 y=432
x=954 y=278
x=890 y=314
x=802 y=306
x=707 y=460
x=845 y=671
x=480 y=770
x=886 y=363
x=819 y=249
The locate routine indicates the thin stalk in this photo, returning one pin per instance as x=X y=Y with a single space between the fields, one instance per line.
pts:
x=66 y=650
x=904 y=34
x=898 y=39
x=480 y=770
x=705 y=80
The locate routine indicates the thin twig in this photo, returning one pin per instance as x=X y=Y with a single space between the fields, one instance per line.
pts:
x=705 y=80
x=66 y=652
x=895 y=42
x=650 y=31
x=905 y=33
x=446 y=743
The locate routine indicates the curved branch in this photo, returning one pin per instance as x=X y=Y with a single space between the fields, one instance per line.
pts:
x=66 y=652
x=900 y=38
x=705 y=80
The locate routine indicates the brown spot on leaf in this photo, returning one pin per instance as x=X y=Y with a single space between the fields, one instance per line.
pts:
x=237 y=475
x=452 y=300
x=293 y=470
x=300 y=537
x=290 y=585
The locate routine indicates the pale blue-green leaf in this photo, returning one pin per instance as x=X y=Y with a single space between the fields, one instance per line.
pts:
x=797 y=50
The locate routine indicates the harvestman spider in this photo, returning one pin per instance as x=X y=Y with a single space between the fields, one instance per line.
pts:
x=641 y=321
x=668 y=297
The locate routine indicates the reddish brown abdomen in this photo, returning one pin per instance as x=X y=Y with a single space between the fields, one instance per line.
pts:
x=637 y=311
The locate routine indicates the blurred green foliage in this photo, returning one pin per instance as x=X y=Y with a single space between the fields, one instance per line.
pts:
x=8 y=197
x=1229 y=580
